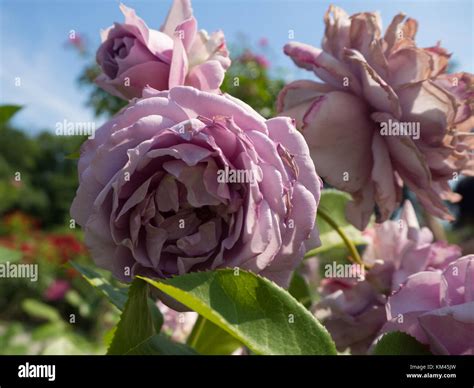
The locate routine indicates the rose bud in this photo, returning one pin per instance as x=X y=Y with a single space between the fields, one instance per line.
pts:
x=133 y=56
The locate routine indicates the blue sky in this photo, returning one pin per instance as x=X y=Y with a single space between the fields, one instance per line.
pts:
x=33 y=35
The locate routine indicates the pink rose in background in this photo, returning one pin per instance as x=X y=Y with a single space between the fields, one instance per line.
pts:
x=57 y=290
x=437 y=308
x=185 y=180
x=259 y=59
x=133 y=56
x=354 y=311
x=372 y=84
x=178 y=325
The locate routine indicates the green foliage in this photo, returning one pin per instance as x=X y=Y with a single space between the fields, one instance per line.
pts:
x=9 y=255
x=299 y=289
x=7 y=112
x=135 y=334
x=136 y=321
x=254 y=310
x=117 y=296
x=249 y=80
x=159 y=344
x=208 y=338
x=103 y=103
x=39 y=180
x=332 y=246
x=40 y=310
x=398 y=343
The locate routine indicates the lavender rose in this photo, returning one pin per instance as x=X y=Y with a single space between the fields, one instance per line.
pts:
x=437 y=308
x=133 y=56
x=354 y=311
x=186 y=180
x=386 y=115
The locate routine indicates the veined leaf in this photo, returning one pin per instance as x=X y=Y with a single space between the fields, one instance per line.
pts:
x=136 y=322
x=117 y=296
x=209 y=339
x=159 y=344
x=398 y=343
x=261 y=315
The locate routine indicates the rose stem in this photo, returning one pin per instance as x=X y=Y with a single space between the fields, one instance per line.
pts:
x=354 y=254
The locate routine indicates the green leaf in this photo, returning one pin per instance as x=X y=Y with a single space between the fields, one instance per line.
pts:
x=334 y=203
x=159 y=344
x=48 y=330
x=155 y=315
x=254 y=310
x=7 y=112
x=398 y=343
x=299 y=289
x=109 y=336
x=209 y=339
x=136 y=322
x=40 y=310
x=73 y=155
x=117 y=296
x=9 y=255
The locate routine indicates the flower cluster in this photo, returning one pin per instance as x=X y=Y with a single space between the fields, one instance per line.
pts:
x=186 y=178
x=354 y=311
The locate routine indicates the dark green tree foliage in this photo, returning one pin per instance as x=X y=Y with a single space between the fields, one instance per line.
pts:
x=39 y=180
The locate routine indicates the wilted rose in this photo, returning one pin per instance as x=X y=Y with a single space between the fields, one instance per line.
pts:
x=186 y=180
x=133 y=56
x=437 y=308
x=354 y=311
x=386 y=115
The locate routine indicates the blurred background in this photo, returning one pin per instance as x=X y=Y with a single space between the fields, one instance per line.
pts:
x=47 y=68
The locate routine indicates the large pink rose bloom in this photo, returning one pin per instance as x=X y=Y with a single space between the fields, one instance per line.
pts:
x=133 y=56
x=354 y=311
x=437 y=308
x=372 y=84
x=185 y=180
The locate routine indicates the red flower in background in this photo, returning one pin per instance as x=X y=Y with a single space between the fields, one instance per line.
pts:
x=66 y=245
